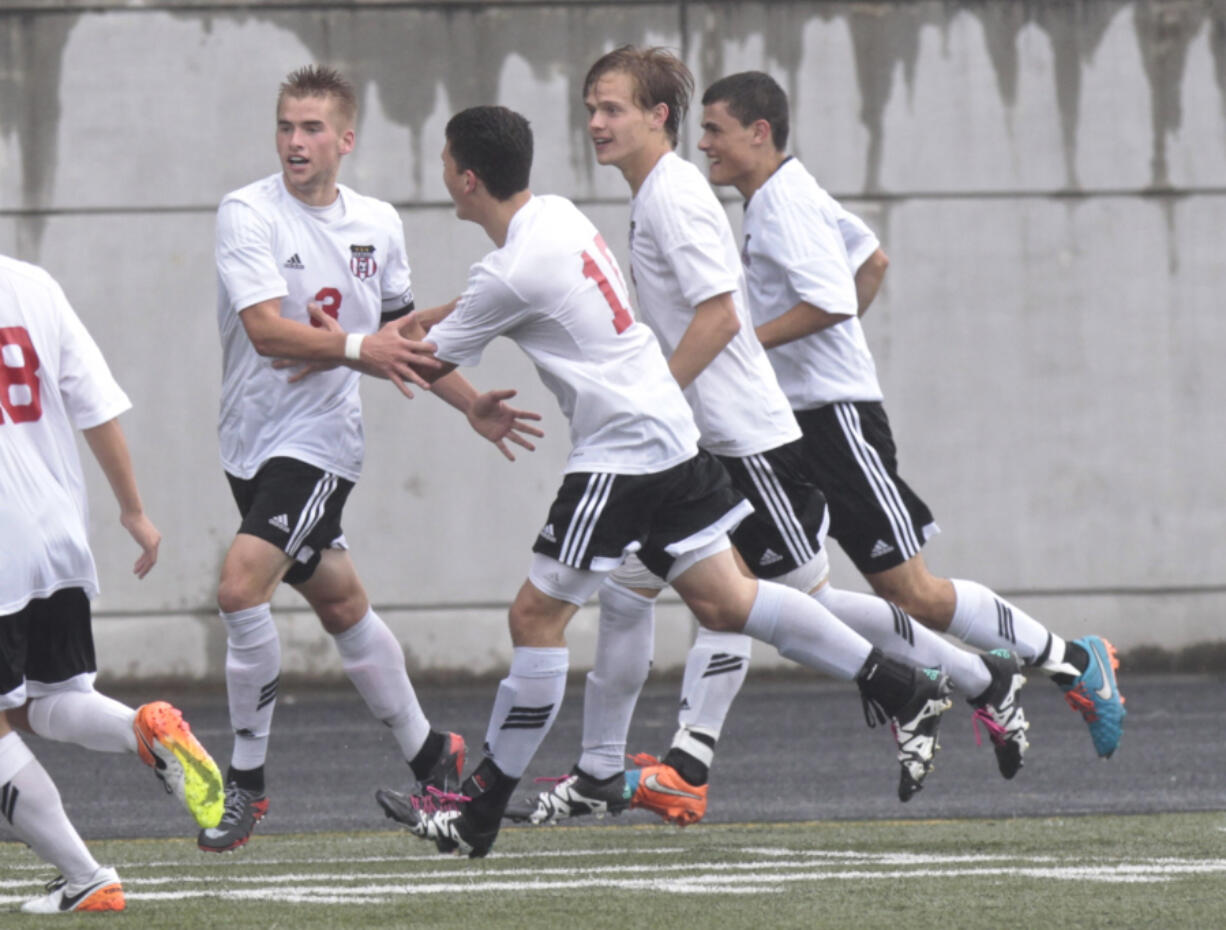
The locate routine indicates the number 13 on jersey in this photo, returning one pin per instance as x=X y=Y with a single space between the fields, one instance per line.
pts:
x=608 y=278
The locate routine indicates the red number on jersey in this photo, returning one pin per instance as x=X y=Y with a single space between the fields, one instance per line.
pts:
x=19 y=387
x=330 y=298
x=621 y=316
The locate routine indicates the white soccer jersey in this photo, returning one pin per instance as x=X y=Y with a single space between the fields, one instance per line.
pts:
x=53 y=381
x=800 y=244
x=349 y=257
x=556 y=290
x=682 y=252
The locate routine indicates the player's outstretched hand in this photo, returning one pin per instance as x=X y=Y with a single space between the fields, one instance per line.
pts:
x=389 y=354
x=147 y=537
x=498 y=422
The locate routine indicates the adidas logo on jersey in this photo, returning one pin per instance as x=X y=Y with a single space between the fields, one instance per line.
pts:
x=880 y=548
x=294 y=262
x=548 y=533
x=281 y=522
x=770 y=557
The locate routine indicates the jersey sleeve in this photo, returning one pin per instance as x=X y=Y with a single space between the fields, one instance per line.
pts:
x=396 y=283
x=807 y=243
x=244 y=254
x=487 y=309
x=690 y=237
x=858 y=239
x=91 y=394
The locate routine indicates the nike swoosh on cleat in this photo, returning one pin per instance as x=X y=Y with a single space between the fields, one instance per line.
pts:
x=68 y=902
x=1105 y=691
x=653 y=783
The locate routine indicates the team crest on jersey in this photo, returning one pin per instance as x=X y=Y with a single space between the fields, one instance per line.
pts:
x=362 y=261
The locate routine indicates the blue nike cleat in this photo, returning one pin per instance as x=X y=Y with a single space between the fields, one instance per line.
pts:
x=1095 y=694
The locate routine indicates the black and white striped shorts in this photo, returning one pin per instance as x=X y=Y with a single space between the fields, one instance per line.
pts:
x=597 y=516
x=296 y=507
x=876 y=517
x=788 y=522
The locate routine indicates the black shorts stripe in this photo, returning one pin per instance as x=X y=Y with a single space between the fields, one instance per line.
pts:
x=780 y=508
x=587 y=514
x=313 y=512
x=879 y=479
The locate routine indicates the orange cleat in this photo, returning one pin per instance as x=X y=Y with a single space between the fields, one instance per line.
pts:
x=661 y=789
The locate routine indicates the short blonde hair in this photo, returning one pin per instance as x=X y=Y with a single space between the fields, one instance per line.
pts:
x=658 y=76
x=322 y=81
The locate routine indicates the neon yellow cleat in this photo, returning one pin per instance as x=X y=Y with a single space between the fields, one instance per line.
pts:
x=166 y=744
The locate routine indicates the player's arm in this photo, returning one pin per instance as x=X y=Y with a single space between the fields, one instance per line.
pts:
x=109 y=447
x=802 y=320
x=713 y=326
x=868 y=279
x=431 y=316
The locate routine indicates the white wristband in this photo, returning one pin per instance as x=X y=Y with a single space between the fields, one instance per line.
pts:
x=353 y=346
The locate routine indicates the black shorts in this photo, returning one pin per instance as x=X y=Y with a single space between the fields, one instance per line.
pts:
x=49 y=641
x=877 y=519
x=597 y=516
x=788 y=521
x=296 y=507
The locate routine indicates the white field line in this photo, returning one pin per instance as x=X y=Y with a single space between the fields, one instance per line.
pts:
x=684 y=878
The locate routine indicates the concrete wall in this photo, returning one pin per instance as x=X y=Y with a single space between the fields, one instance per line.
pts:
x=1048 y=178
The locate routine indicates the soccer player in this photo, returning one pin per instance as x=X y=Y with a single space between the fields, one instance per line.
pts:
x=812 y=270
x=54 y=380
x=294 y=243
x=691 y=292
x=635 y=481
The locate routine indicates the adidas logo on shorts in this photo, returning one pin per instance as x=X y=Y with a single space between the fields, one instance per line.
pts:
x=548 y=533
x=880 y=548
x=770 y=557
x=281 y=522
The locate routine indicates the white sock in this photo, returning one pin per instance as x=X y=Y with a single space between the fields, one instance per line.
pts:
x=715 y=669
x=806 y=632
x=84 y=718
x=31 y=804
x=987 y=621
x=624 y=643
x=373 y=659
x=526 y=706
x=900 y=637
x=253 y=671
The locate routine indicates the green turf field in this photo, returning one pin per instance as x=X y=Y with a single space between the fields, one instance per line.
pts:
x=1160 y=871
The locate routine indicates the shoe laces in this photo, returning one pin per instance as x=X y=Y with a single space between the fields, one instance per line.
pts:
x=435 y=801
x=643 y=759
x=995 y=731
x=55 y=884
x=235 y=804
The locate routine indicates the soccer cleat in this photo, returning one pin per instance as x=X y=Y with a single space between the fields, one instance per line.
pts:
x=447 y=773
x=449 y=826
x=102 y=892
x=999 y=710
x=660 y=789
x=1095 y=694
x=165 y=742
x=915 y=727
x=244 y=809
x=574 y=795
x=406 y=808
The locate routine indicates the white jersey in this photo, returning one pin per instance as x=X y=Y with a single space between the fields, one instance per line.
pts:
x=682 y=252
x=801 y=245
x=53 y=381
x=556 y=290
x=350 y=257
